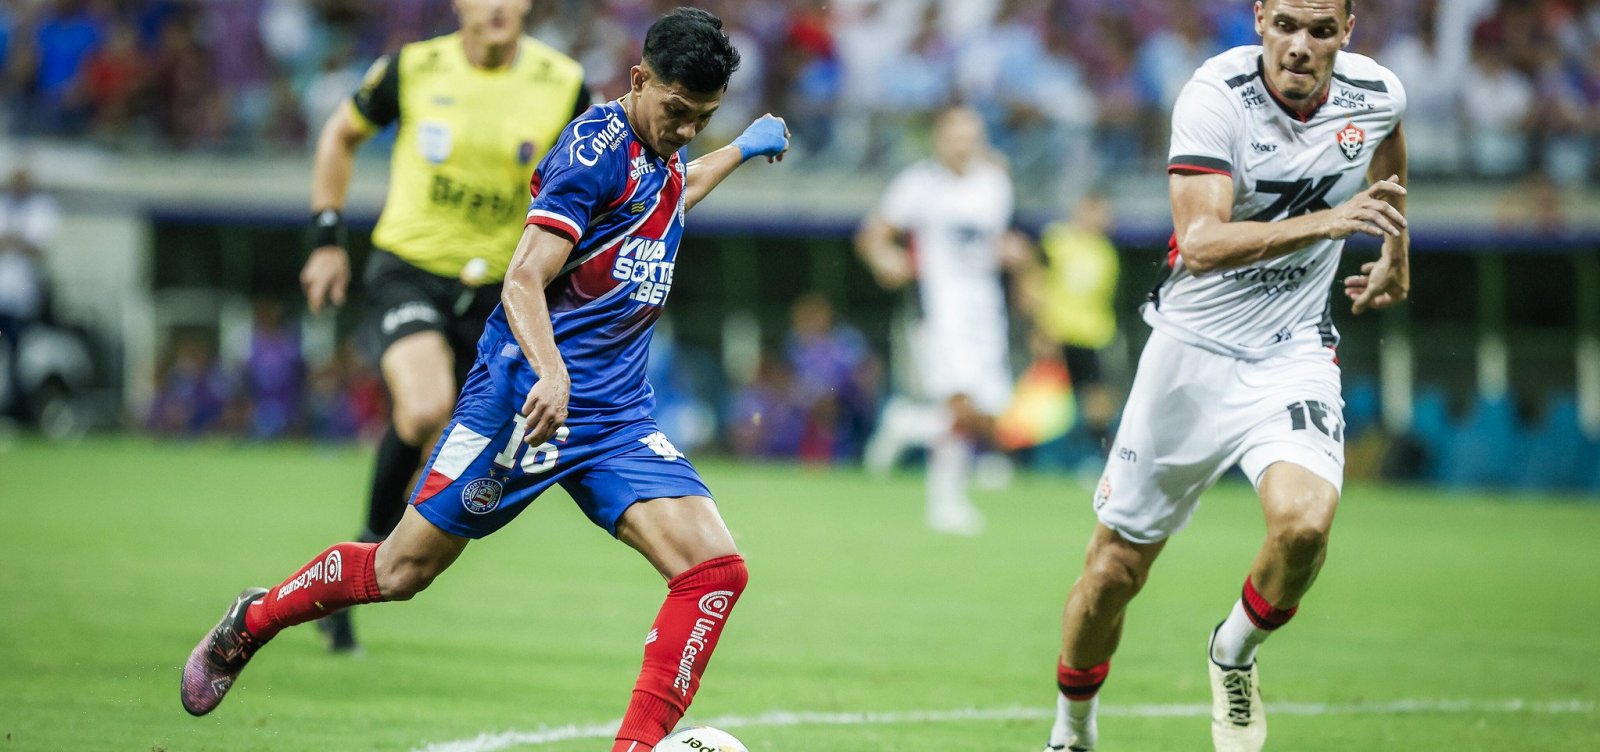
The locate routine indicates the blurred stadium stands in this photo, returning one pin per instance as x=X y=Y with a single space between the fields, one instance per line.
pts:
x=175 y=137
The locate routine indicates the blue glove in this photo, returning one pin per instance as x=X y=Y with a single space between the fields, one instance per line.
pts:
x=766 y=137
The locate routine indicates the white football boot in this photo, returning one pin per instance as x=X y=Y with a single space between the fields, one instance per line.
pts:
x=1073 y=732
x=1238 y=718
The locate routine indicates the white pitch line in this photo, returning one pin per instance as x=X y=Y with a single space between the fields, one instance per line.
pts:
x=549 y=735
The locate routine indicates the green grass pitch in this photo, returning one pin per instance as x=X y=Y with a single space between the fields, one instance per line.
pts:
x=117 y=555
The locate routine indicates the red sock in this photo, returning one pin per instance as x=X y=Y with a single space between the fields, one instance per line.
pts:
x=1261 y=613
x=678 y=648
x=341 y=576
x=1081 y=684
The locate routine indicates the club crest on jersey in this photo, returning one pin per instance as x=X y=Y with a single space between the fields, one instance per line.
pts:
x=482 y=496
x=525 y=152
x=1351 y=141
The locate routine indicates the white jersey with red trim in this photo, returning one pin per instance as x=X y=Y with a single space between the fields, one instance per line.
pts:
x=1227 y=121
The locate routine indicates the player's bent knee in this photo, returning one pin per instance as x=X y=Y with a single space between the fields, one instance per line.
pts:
x=1303 y=530
x=1114 y=576
x=401 y=578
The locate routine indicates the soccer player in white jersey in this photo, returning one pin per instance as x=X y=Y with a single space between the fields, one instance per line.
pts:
x=942 y=224
x=1279 y=153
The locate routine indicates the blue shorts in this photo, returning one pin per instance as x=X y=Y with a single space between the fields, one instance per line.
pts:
x=481 y=475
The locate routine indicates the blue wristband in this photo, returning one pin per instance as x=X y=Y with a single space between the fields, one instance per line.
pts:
x=766 y=137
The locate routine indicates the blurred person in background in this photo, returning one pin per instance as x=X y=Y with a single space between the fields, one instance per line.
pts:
x=29 y=221
x=476 y=110
x=768 y=419
x=274 y=373
x=1279 y=152
x=193 y=396
x=1047 y=114
x=941 y=225
x=190 y=109
x=1072 y=298
x=913 y=84
x=115 y=80
x=835 y=379
x=1497 y=107
x=1433 y=115
x=559 y=393
x=53 y=63
x=347 y=397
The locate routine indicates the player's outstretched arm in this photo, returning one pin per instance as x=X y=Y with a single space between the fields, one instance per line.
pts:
x=1387 y=281
x=1202 y=206
x=767 y=137
x=537 y=261
x=326 y=275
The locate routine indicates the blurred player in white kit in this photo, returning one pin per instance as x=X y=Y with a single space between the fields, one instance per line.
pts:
x=943 y=224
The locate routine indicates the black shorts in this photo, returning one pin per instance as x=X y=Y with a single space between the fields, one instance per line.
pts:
x=403 y=300
x=1083 y=364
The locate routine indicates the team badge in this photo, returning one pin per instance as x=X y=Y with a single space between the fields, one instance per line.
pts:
x=482 y=495
x=434 y=141
x=1351 y=141
x=525 y=152
x=1103 y=493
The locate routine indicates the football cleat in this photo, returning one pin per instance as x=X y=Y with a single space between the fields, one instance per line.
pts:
x=1073 y=734
x=1238 y=718
x=955 y=519
x=218 y=659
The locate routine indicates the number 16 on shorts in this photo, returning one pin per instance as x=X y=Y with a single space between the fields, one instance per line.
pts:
x=539 y=459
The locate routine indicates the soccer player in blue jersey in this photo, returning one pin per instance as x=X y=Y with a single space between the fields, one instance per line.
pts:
x=559 y=395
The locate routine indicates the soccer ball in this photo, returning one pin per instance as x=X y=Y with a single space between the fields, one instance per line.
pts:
x=700 y=739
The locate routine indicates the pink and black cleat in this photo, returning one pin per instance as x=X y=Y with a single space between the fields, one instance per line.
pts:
x=218 y=659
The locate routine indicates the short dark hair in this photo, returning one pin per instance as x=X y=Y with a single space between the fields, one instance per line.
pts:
x=1349 y=8
x=688 y=47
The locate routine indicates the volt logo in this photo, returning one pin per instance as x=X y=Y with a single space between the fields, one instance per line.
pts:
x=1295 y=197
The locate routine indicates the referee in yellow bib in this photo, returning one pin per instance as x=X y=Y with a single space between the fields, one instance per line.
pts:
x=476 y=110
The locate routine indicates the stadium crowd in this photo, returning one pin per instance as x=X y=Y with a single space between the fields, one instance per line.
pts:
x=1500 y=87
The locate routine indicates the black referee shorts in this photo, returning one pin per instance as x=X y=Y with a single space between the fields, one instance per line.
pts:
x=1083 y=364
x=403 y=300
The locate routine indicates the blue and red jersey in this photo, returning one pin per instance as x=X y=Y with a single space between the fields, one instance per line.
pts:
x=622 y=206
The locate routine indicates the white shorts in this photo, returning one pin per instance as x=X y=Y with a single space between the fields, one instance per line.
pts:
x=1192 y=414
x=969 y=361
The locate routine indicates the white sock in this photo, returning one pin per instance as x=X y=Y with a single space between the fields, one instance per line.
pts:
x=949 y=466
x=904 y=425
x=1075 y=721
x=1080 y=710
x=1237 y=639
